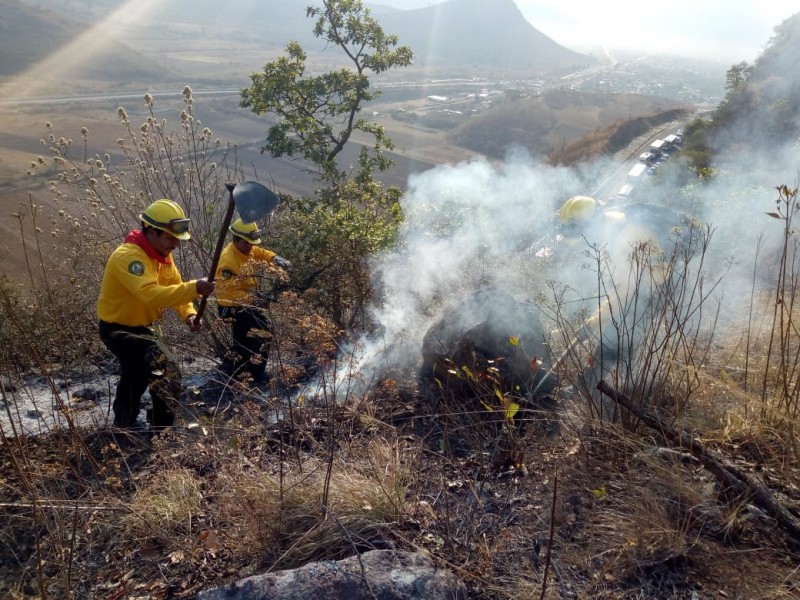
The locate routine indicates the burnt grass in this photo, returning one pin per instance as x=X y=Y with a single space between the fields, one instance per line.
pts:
x=585 y=509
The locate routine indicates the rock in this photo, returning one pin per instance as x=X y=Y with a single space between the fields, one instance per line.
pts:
x=388 y=575
x=6 y=384
x=92 y=394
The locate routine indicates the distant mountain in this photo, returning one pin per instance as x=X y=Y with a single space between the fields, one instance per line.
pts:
x=457 y=33
x=27 y=35
x=477 y=33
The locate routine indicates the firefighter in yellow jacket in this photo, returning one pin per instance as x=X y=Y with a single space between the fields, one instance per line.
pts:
x=139 y=283
x=250 y=328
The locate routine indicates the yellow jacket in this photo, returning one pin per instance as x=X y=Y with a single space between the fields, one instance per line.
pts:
x=136 y=288
x=233 y=289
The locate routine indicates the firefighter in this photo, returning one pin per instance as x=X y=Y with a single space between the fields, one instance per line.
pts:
x=238 y=300
x=140 y=281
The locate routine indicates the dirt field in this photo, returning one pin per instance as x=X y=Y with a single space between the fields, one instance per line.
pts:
x=23 y=127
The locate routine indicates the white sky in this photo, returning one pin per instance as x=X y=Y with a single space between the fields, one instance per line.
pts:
x=726 y=30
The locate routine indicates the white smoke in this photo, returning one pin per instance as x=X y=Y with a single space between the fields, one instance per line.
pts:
x=476 y=223
x=469 y=224
x=466 y=225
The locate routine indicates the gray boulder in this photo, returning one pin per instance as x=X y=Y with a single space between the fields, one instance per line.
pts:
x=375 y=575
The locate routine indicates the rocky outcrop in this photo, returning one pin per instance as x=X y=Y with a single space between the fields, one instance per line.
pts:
x=375 y=575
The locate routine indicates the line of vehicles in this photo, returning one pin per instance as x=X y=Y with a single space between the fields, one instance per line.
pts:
x=659 y=151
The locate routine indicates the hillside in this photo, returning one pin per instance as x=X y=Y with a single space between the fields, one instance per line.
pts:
x=21 y=35
x=554 y=120
x=658 y=463
x=31 y=34
x=761 y=112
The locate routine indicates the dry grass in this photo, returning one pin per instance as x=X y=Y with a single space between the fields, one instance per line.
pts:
x=283 y=523
x=165 y=506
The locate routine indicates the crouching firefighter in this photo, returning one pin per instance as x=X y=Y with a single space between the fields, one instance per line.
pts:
x=239 y=302
x=140 y=281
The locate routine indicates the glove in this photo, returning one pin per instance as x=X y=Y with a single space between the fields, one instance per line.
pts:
x=281 y=262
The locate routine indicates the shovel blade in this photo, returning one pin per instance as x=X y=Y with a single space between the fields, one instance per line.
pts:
x=253 y=200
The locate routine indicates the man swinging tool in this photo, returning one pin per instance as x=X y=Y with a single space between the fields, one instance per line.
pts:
x=237 y=299
x=140 y=281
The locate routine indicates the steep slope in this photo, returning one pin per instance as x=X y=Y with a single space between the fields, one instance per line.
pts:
x=762 y=113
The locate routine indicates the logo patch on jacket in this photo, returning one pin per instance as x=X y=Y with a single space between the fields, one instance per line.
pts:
x=136 y=268
x=227 y=273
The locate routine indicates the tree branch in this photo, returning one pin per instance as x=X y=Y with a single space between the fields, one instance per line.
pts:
x=731 y=476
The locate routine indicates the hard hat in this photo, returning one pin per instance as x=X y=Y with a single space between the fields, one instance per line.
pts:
x=167 y=216
x=577 y=209
x=249 y=232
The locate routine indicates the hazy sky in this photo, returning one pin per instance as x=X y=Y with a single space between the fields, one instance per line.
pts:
x=727 y=30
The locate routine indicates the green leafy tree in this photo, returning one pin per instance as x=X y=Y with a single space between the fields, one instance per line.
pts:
x=318 y=114
x=737 y=76
x=331 y=237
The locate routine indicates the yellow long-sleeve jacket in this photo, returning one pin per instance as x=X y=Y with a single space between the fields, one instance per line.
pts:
x=137 y=288
x=232 y=288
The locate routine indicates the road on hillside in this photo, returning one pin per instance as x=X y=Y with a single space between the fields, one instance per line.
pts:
x=294 y=176
x=51 y=100
x=615 y=179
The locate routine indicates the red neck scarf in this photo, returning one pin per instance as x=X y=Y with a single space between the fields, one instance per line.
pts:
x=137 y=237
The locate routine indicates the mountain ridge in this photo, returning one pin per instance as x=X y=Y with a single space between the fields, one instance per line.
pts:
x=517 y=45
x=454 y=34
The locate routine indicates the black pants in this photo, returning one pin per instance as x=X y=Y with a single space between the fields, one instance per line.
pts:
x=142 y=365
x=252 y=333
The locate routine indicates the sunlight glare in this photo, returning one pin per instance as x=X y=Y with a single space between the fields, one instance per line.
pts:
x=64 y=63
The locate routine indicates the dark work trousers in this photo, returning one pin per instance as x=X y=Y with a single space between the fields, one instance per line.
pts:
x=142 y=364
x=251 y=332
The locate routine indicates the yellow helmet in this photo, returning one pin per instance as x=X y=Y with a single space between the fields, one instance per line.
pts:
x=577 y=209
x=249 y=232
x=167 y=216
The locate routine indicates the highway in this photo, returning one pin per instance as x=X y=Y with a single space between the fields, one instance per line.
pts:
x=611 y=184
x=105 y=97
x=293 y=174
